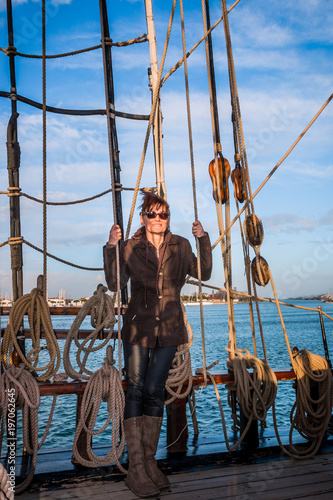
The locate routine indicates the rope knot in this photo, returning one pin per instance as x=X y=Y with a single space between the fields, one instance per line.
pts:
x=11 y=50
x=109 y=359
x=14 y=191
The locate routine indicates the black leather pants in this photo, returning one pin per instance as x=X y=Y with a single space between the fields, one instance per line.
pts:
x=146 y=373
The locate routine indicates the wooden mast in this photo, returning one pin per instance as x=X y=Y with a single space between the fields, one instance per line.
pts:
x=157 y=124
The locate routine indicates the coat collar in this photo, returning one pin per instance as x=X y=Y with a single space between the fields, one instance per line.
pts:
x=140 y=237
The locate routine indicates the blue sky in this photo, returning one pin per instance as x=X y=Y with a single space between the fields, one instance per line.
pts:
x=283 y=59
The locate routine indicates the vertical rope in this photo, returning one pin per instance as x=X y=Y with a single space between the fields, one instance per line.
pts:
x=44 y=157
x=189 y=122
x=224 y=239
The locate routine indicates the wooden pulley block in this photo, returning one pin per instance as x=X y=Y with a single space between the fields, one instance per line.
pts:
x=260 y=270
x=220 y=181
x=236 y=177
x=253 y=230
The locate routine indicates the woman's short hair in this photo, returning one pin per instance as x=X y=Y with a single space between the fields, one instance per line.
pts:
x=150 y=199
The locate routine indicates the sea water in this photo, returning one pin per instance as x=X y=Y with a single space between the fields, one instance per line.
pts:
x=303 y=331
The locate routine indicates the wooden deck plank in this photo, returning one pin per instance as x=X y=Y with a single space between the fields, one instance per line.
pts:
x=274 y=480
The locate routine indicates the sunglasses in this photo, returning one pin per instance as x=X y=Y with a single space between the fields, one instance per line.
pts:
x=153 y=215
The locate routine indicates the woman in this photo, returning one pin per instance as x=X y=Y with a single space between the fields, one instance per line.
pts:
x=157 y=262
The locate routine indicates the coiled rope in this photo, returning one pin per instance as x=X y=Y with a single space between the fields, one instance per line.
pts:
x=104 y=385
x=20 y=383
x=180 y=371
x=309 y=415
x=256 y=392
x=101 y=308
x=39 y=319
x=5 y=492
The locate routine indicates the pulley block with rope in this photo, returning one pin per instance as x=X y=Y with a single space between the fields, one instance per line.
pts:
x=253 y=230
x=237 y=180
x=260 y=270
x=219 y=171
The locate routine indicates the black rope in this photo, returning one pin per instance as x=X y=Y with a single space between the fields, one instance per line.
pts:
x=79 y=112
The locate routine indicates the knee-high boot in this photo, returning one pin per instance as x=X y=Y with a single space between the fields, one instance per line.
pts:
x=150 y=436
x=137 y=479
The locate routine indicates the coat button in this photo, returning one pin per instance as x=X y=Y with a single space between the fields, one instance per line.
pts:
x=160 y=273
x=157 y=318
x=160 y=296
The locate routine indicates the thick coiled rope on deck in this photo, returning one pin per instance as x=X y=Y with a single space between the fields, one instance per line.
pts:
x=256 y=391
x=104 y=385
x=101 y=308
x=180 y=371
x=312 y=409
x=22 y=385
x=5 y=492
x=39 y=319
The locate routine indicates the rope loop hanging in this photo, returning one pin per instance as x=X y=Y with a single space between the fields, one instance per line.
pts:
x=101 y=308
x=255 y=389
x=6 y=488
x=19 y=387
x=104 y=385
x=312 y=410
x=180 y=371
x=35 y=305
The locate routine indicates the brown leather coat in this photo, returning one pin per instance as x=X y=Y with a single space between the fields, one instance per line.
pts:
x=154 y=311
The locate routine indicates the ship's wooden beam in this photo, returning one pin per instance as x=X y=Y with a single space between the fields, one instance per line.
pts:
x=78 y=386
x=60 y=310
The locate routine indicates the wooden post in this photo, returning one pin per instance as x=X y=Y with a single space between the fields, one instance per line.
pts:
x=324 y=337
x=82 y=442
x=177 y=431
x=251 y=438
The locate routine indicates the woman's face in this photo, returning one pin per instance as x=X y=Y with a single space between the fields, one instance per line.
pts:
x=155 y=225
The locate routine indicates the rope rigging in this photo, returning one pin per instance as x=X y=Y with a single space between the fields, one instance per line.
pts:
x=190 y=137
x=19 y=384
x=102 y=316
x=254 y=384
x=108 y=41
x=35 y=306
x=104 y=385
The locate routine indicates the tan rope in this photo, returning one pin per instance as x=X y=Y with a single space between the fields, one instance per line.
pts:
x=240 y=154
x=180 y=62
x=24 y=387
x=104 y=385
x=256 y=392
x=151 y=119
x=263 y=299
x=225 y=241
x=101 y=308
x=180 y=371
x=194 y=194
x=310 y=414
x=274 y=169
x=39 y=318
x=5 y=492
x=310 y=421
